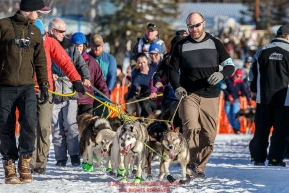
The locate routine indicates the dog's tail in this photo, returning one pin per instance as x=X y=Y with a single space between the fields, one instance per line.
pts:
x=106 y=134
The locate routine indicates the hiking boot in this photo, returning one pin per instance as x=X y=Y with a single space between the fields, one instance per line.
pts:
x=199 y=175
x=10 y=172
x=24 y=168
x=40 y=171
x=61 y=163
x=256 y=163
x=75 y=160
x=275 y=163
x=191 y=169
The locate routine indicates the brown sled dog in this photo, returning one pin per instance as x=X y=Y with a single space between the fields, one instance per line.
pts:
x=174 y=149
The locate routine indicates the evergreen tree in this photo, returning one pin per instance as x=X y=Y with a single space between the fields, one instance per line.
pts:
x=129 y=22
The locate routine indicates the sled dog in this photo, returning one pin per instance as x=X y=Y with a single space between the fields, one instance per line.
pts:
x=128 y=144
x=174 y=149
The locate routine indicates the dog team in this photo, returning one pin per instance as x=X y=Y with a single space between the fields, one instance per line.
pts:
x=129 y=147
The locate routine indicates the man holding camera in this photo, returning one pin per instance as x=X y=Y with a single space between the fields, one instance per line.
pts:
x=22 y=55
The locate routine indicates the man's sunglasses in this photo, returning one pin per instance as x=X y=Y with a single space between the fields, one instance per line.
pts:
x=196 y=25
x=60 y=31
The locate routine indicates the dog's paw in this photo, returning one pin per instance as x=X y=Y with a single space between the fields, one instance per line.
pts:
x=138 y=180
x=171 y=179
x=121 y=172
x=108 y=169
x=149 y=177
x=187 y=181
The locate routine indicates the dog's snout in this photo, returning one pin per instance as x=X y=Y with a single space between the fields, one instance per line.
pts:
x=122 y=144
x=171 y=147
x=104 y=150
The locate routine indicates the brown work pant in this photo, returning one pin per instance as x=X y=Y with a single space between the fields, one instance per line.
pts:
x=42 y=142
x=199 y=118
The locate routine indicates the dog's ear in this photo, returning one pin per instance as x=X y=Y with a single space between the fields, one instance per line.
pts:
x=177 y=130
x=131 y=128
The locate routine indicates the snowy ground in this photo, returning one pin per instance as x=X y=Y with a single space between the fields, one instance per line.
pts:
x=228 y=170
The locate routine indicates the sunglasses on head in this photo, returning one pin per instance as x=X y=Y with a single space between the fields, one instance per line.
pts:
x=196 y=25
x=60 y=31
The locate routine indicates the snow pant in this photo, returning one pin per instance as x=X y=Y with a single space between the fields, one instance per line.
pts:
x=42 y=143
x=65 y=129
x=168 y=104
x=24 y=98
x=85 y=109
x=267 y=116
x=199 y=118
x=231 y=111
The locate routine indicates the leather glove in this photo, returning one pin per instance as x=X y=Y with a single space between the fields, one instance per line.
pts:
x=78 y=87
x=215 y=78
x=180 y=92
x=43 y=95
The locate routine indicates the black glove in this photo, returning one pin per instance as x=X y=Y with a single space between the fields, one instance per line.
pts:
x=43 y=95
x=78 y=87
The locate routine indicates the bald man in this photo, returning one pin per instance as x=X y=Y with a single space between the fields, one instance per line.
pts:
x=197 y=57
x=64 y=126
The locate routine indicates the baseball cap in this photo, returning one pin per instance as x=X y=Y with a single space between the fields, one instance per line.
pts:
x=152 y=26
x=284 y=29
x=34 y=5
x=96 y=39
x=78 y=38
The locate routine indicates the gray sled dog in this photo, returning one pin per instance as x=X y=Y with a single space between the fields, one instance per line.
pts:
x=175 y=149
x=128 y=144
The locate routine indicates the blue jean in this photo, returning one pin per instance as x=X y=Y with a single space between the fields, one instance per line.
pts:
x=231 y=111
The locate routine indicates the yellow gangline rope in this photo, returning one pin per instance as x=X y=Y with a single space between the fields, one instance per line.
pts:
x=60 y=94
x=143 y=99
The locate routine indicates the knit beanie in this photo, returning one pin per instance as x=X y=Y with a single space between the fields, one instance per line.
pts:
x=154 y=47
x=32 y=5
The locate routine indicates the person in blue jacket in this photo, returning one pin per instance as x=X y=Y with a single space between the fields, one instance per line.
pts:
x=108 y=67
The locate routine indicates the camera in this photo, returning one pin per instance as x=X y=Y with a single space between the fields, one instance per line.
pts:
x=22 y=43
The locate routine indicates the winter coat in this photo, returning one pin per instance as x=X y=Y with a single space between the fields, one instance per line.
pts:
x=268 y=76
x=107 y=64
x=18 y=64
x=143 y=45
x=54 y=51
x=63 y=85
x=96 y=79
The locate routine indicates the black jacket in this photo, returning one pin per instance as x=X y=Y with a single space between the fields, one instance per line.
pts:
x=269 y=73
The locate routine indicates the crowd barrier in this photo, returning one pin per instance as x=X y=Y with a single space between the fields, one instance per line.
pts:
x=223 y=125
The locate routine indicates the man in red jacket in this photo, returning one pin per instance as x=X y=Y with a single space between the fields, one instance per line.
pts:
x=54 y=51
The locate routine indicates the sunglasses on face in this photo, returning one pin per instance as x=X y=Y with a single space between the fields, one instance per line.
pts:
x=196 y=25
x=60 y=31
x=153 y=54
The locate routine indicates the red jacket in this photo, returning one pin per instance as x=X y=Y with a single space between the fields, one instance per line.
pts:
x=54 y=51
